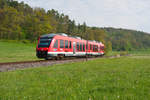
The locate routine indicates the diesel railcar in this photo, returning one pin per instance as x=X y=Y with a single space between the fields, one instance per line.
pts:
x=61 y=45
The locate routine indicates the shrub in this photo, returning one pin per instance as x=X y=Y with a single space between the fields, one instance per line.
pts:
x=123 y=53
x=25 y=41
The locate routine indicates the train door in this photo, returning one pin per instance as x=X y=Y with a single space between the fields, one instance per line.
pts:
x=74 y=47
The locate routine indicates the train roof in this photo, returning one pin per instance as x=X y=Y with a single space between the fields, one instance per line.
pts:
x=54 y=34
x=51 y=35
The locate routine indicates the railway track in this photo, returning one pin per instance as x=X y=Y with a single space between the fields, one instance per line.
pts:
x=27 y=64
x=21 y=62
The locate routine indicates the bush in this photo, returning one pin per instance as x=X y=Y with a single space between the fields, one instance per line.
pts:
x=123 y=53
x=25 y=41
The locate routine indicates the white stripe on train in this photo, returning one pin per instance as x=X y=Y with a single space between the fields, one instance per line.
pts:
x=76 y=53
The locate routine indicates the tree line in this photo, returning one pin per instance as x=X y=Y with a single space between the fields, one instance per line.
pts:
x=127 y=40
x=19 y=21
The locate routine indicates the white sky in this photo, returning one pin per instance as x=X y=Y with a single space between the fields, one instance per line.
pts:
x=129 y=14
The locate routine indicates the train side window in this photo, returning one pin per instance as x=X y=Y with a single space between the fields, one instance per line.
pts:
x=86 y=46
x=83 y=47
x=96 y=48
x=78 y=46
x=70 y=44
x=56 y=44
x=93 y=47
x=66 y=43
x=61 y=43
x=90 y=46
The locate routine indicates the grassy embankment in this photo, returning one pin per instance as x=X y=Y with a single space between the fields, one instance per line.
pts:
x=102 y=79
x=14 y=51
x=144 y=52
x=123 y=78
x=11 y=51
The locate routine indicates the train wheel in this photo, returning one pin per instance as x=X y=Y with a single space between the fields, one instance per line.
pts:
x=61 y=56
x=56 y=58
x=46 y=58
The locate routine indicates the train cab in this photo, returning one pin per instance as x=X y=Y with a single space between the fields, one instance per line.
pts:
x=44 y=43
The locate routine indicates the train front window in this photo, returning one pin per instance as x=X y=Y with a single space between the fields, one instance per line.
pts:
x=44 y=42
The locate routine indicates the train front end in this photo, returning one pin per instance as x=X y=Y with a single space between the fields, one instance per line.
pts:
x=43 y=46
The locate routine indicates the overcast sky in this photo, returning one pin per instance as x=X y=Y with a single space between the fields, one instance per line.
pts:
x=129 y=14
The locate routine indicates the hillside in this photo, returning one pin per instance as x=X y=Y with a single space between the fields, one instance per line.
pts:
x=19 y=21
x=123 y=39
x=14 y=51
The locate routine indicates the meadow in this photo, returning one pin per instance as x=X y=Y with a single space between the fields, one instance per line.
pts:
x=12 y=51
x=124 y=78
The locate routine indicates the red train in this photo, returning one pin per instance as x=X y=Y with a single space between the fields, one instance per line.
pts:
x=60 y=45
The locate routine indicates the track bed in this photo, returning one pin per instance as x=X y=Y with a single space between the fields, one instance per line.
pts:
x=27 y=64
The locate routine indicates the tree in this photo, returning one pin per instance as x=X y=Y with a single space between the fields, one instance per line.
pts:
x=71 y=27
x=108 y=47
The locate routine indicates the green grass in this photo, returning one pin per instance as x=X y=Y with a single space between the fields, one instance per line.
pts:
x=140 y=52
x=16 y=51
x=112 y=53
x=124 y=78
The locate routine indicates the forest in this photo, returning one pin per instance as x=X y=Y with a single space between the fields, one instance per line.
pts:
x=19 y=21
